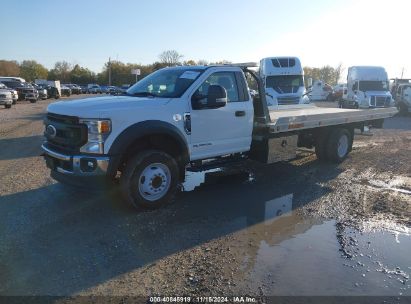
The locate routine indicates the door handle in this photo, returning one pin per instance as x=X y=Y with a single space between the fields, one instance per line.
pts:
x=239 y=113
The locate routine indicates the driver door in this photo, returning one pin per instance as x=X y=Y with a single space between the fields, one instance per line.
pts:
x=227 y=129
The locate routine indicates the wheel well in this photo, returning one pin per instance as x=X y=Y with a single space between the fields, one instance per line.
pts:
x=159 y=141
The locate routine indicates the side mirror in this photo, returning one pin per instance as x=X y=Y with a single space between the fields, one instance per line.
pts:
x=216 y=98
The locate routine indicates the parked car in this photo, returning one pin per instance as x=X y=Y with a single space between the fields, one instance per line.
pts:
x=6 y=98
x=84 y=89
x=75 y=89
x=104 y=89
x=124 y=88
x=94 y=88
x=14 y=93
x=65 y=90
x=32 y=94
x=41 y=91
x=113 y=90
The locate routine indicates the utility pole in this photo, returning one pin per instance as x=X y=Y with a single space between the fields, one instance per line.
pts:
x=402 y=73
x=109 y=71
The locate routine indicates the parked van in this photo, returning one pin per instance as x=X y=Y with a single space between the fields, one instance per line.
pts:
x=320 y=91
x=367 y=87
x=283 y=79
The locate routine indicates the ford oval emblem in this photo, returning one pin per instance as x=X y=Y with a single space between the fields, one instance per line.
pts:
x=51 y=131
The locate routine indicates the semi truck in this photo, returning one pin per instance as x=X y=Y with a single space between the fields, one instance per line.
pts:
x=283 y=79
x=187 y=118
x=367 y=87
x=320 y=91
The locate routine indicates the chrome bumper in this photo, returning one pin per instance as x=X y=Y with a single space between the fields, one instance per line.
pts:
x=95 y=165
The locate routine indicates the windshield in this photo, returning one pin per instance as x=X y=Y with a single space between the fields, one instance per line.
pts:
x=373 y=86
x=168 y=83
x=285 y=83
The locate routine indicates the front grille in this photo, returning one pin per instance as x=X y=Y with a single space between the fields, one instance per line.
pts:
x=2 y=96
x=288 y=100
x=70 y=134
x=379 y=101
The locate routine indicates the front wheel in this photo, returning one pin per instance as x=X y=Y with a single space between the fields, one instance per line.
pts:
x=7 y=106
x=150 y=179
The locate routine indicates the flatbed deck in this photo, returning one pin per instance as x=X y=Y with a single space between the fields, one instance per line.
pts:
x=307 y=117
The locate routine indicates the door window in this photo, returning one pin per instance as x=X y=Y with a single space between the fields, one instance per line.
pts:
x=226 y=80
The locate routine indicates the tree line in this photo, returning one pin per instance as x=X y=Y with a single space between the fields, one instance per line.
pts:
x=121 y=72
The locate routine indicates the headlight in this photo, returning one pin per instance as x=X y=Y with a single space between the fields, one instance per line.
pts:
x=98 y=131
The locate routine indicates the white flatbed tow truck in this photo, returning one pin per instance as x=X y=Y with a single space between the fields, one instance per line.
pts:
x=188 y=118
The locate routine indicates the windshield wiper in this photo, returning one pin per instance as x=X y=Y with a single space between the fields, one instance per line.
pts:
x=143 y=94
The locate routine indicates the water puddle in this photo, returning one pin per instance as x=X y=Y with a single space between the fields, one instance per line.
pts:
x=331 y=259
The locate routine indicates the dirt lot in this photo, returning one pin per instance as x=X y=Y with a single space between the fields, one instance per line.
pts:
x=299 y=228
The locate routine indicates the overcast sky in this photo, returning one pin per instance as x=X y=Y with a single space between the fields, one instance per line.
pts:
x=321 y=32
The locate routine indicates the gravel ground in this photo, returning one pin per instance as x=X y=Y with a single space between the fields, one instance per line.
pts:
x=298 y=228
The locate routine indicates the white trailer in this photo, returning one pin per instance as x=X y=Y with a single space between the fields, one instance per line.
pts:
x=367 y=87
x=283 y=79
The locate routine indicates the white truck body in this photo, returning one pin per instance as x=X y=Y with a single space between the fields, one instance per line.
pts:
x=319 y=91
x=187 y=118
x=368 y=87
x=283 y=79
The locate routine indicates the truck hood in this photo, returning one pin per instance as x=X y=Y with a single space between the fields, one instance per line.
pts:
x=101 y=107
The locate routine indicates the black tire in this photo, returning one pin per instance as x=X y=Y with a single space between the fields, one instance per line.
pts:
x=7 y=106
x=132 y=177
x=335 y=145
x=33 y=100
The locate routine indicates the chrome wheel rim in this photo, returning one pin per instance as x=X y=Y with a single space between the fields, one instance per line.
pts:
x=342 y=146
x=154 y=181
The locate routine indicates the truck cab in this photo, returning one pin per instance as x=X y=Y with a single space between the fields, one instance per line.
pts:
x=367 y=87
x=283 y=79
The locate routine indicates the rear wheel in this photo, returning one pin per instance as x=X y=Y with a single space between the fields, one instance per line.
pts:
x=338 y=145
x=150 y=179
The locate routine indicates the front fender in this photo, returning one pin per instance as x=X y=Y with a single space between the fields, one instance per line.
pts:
x=144 y=128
